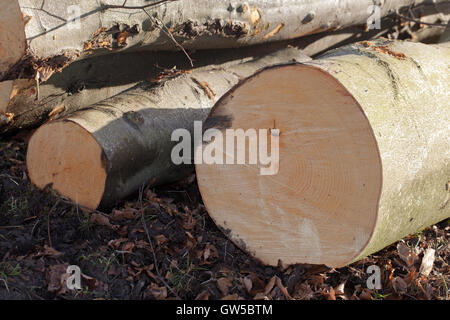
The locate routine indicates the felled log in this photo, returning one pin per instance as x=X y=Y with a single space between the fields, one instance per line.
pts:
x=23 y=103
x=102 y=154
x=363 y=144
x=89 y=81
x=38 y=39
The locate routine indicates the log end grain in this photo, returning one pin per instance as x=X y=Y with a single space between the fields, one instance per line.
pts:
x=322 y=205
x=68 y=157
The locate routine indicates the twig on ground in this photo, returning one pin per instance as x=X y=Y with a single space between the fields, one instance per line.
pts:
x=144 y=224
x=9 y=177
x=10 y=227
x=6 y=284
x=68 y=201
x=48 y=223
x=34 y=227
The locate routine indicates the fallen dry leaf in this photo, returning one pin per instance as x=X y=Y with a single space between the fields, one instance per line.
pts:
x=270 y=285
x=330 y=294
x=47 y=252
x=129 y=246
x=231 y=297
x=56 y=277
x=93 y=284
x=340 y=289
x=260 y=296
x=316 y=281
x=366 y=294
x=189 y=223
x=248 y=284
x=101 y=220
x=303 y=291
x=160 y=239
x=116 y=242
x=204 y=295
x=427 y=262
x=283 y=288
x=409 y=257
x=159 y=293
x=209 y=253
x=127 y=213
x=224 y=284
x=258 y=285
x=122 y=37
x=399 y=285
x=409 y=278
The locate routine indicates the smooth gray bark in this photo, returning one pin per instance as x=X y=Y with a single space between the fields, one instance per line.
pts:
x=52 y=33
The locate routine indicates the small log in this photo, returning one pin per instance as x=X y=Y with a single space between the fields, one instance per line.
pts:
x=23 y=104
x=37 y=39
x=100 y=155
x=363 y=154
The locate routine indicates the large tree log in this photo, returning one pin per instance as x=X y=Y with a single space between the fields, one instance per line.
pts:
x=364 y=149
x=103 y=154
x=89 y=81
x=39 y=39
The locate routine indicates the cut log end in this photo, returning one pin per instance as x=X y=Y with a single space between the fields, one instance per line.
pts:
x=322 y=205
x=12 y=35
x=67 y=156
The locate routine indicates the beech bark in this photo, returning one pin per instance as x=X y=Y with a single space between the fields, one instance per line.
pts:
x=37 y=39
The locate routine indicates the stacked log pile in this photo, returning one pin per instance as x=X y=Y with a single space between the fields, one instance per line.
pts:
x=362 y=122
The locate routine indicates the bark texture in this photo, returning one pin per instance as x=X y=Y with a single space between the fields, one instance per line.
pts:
x=39 y=39
x=408 y=108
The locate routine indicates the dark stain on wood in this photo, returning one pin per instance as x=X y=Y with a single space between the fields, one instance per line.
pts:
x=193 y=29
x=104 y=161
x=390 y=73
x=220 y=122
x=134 y=118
